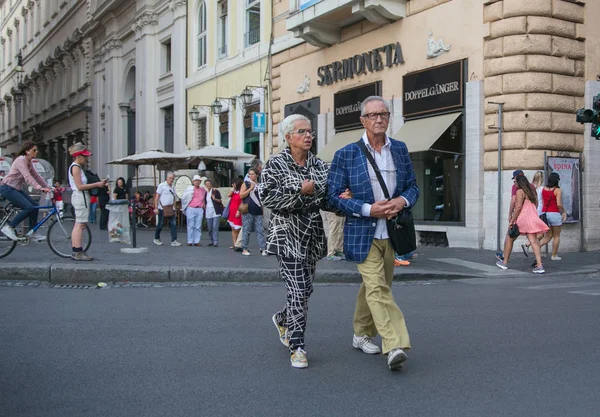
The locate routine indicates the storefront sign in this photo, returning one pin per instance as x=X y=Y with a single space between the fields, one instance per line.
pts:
x=375 y=60
x=305 y=4
x=259 y=122
x=568 y=169
x=437 y=89
x=347 y=103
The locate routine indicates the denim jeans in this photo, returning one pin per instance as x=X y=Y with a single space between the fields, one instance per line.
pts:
x=159 y=226
x=24 y=202
x=93 y=208
x=253 y=223
x=213 y=229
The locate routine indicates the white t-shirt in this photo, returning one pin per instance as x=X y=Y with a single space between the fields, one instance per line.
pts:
x=166 y=194
x=72 y=181
x=210 y=207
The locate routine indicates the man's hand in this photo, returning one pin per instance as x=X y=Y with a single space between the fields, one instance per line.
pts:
x=379 y=209
x=398 y=204
x=308 y=188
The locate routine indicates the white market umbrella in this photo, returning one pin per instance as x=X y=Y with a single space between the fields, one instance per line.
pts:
x=152 y=157
x=217 y=153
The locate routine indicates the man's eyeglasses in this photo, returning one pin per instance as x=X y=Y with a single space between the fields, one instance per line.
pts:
x=374 y=116
x=34 y=150
x=303 y=131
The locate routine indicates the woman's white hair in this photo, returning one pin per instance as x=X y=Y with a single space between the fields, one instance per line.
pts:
x=287 y=125
x=370 y=99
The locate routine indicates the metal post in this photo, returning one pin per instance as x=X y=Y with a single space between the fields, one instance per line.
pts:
x=133 y=223
x=499 y=197
x=18 y=101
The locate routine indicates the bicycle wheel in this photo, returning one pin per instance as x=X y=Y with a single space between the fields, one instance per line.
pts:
x=59 y=237
x=7 y=245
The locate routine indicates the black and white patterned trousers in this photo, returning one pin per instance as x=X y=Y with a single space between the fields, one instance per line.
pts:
x=298 y=277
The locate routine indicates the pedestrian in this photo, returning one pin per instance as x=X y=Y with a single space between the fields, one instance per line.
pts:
x=528 y=222
x=58 y=197
x=253 y=219
x=538 y=183
x=509 y=242
x=193 y=203
x=120 y=191
x=93 y=208
x=103 y=199
x=555 y=213
x=366 y=239
x=214 y=209
x=164 y=200
x=257 y=165
x=80 y=199
x=294 y=186
x=235 y=217
x=22 y=172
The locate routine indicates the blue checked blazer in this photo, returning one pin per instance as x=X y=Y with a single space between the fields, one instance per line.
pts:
x=349 y=170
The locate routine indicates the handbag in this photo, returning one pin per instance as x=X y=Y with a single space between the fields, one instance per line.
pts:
x=513 y=231
x=168 y=210
x=243 y=208
x=401 y=229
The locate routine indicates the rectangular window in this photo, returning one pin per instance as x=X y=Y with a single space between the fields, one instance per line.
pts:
x=222 y=44
x=201 y=35
x=224 y=129
x=166 y=50
x=252 y=22
x=169 y=130
x=201 y=124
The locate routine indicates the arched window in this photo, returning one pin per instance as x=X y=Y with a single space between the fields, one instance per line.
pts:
x=201 y=35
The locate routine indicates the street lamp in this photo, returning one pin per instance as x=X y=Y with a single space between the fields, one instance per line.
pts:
x=247 y=93
x=18 y=93
x=215 y=107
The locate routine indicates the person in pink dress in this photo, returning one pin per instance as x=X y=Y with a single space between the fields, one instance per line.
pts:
x=235 y=217
x=525 y=216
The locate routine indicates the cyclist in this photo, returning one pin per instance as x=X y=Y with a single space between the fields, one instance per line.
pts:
x=21 y=172
x=80 y=199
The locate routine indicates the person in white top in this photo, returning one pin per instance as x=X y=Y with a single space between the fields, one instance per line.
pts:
x=80 y=199
x=165 y=196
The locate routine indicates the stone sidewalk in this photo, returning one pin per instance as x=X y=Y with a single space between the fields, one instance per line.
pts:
x=165 y=263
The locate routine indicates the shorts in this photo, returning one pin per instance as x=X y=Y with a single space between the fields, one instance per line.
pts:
x=81 y=203
x=554 y=219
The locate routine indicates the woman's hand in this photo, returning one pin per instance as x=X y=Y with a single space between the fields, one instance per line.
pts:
x=564 y=216
x=308 y=187
x=346 y=195
x=237 y=214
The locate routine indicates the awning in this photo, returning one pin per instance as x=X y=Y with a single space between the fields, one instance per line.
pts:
x=338 y=141
x=420 y=135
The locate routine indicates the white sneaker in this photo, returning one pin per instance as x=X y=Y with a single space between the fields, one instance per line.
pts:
x=10 y=232
x=175 y=243
x=396 y=358
x=555 y=258
x=365 y=344
x=246 y=253
x=157 y=242
x=36 y=237
x=264 y=253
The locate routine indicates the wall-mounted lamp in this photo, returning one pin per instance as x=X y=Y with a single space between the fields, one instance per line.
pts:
x=218 y=100
x=247 y=93
x=194 y=113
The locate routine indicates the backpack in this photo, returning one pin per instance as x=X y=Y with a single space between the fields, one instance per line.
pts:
x=92 y=178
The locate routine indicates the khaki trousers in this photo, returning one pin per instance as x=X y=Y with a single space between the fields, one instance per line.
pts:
x=376 y=310
x=335 y=240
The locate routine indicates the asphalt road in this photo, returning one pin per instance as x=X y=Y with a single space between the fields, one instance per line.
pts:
x=481 y=347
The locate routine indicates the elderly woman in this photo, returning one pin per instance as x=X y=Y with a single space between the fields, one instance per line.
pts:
x=293 y=185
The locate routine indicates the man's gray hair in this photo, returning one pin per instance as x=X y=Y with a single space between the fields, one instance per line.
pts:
x=286 y=126
x=370 y=99
x=170 y=173
x=255 y=163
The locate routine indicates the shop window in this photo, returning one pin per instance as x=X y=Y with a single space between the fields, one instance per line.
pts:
x=201 y=36
x=224 y=129
x=222 y=41
x=252 y=22
x=251 y=139
x=201 y=126
x=440 y=177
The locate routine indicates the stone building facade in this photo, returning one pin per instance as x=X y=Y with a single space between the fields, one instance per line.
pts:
x=458 y=57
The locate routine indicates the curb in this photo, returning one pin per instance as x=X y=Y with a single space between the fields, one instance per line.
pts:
x=92 y=274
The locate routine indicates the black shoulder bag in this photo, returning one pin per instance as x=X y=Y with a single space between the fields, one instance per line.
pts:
x=401 y=229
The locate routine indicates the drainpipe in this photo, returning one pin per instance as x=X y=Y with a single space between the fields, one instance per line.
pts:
x=499 y=197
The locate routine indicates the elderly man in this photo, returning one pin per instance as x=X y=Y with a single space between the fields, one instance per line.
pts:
x=165 y=197
x=366 y=239
x=193 y=203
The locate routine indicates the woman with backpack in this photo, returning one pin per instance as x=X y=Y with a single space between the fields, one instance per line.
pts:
x=80 y=199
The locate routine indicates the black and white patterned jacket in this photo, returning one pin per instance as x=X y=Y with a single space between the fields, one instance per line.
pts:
x=295 y=226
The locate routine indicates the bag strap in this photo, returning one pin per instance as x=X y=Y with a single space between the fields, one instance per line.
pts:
x=370 y=158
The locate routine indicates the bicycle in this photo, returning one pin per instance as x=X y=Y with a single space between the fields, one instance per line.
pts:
x=58 y=235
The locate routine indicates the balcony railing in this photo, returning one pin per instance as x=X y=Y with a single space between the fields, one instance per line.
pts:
x=252 y=36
